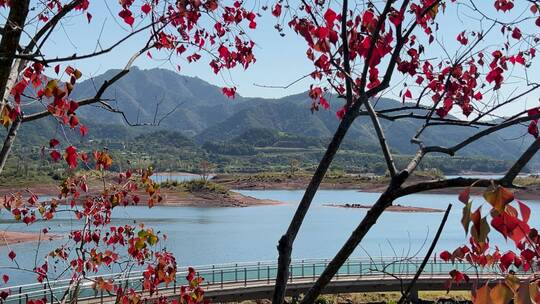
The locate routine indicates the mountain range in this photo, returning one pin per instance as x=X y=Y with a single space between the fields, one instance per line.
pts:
x=199 y=111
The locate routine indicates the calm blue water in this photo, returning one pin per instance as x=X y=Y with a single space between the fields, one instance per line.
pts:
x=216 y=235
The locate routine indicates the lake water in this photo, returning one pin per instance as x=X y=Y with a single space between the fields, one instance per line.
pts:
x=217 y=235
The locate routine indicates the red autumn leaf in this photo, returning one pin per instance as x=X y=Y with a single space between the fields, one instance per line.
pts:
x=126 y=15
x=223 y=52
x=528 y=254
x=71 y=156
x=516 y=33
x=506 y=260
x=73 y=106
x=533 y=129
x=330 y=17
x=458 y=276
x=367 y=18
x=446 y=256
x=495 y=75
x=396 y=18
x=73 y=121
x=5 y=278
x=533 y=112
x=229 y=92
x=322 y=32
x=465 y=195
x=524 y=210
x=277 y=10
x=146 y=8
x=12 y=255
x=53 y=143
x=341 y=112
x=504 y=5
x=324 y=103
x=478 y=96
x=55 y=155
x=83 y=130
x=407 y=95
x=462 y=38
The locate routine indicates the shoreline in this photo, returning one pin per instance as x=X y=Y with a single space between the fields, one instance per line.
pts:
x=8 y=238
x=177 y=197
x=238 y=182
x=212 y=200
x=392 y=208
x=175 y=174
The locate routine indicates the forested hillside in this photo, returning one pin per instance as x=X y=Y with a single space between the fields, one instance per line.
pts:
x=182 y=120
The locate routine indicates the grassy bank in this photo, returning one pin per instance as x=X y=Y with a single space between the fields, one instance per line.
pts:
x=382 y=297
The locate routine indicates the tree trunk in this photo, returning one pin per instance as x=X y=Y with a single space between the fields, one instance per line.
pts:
x=10 y=42
x=8 y=142
x=287 y=240
x=356 y=237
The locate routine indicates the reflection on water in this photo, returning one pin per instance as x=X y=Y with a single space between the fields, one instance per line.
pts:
x=217 y=235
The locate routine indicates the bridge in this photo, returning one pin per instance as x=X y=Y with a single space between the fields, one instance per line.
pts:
x=255 y=280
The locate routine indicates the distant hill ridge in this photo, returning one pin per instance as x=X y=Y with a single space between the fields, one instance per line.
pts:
x=203 y=114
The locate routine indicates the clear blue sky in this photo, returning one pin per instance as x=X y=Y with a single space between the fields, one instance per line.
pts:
x=280 y=60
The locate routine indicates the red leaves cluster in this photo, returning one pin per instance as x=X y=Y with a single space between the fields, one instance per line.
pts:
x=193 y=292
x=32 y=75
x=277 y=10
x=534 y=113
x=229 y=58
x=317 y=96
x=462 y=38
x=95 y=245
x=504 y=5
x=163 y=271
x=511 y=223
x=229 y=92
x=102 y=249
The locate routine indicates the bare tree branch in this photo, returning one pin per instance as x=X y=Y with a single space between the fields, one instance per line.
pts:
x=405 y=294
x=521 y=162
x=382 y=139
x=98 y=96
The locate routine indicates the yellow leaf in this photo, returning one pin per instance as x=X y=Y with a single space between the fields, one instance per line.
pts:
x=501 y=294
x=481 y=296
x=5 y=119
x=152 y=240
x=434 y=10
x=52 y=84
x=498 y=197
x=77 y=74
x=139 y=244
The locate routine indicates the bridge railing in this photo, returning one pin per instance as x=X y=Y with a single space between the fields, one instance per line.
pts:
x=237 y=275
